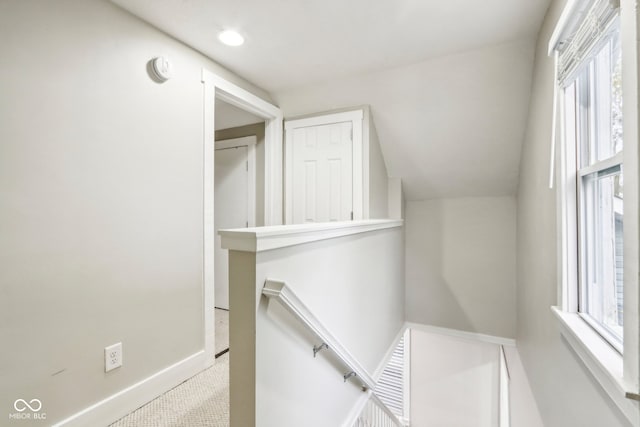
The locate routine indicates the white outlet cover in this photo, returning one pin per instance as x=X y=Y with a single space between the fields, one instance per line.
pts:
x=112 y=357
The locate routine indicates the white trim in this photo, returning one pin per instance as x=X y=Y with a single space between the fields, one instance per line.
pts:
x=131 y=398
x=280 y=292
x=604 y=363
x=208 y=265
x=504 y=400
x=245 y=100
x=268 y=238
x=216 y=87
x=356 y=118
x=566 y=21
x=358 y=170
x=242 y=141
x=554 y=123
x=249 y=142
x=273 y=172
x=472 y=336
x=601 y=165
x=323 y=119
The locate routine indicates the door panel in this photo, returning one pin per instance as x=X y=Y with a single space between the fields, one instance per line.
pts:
x=231 y=210
x=322 y=173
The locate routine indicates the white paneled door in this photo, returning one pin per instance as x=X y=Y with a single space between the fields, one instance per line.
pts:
x=322 y=173
x=231 y=209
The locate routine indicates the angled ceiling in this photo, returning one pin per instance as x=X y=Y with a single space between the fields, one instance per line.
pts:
x=448 y=81
x=451 y=126
x=293 y=43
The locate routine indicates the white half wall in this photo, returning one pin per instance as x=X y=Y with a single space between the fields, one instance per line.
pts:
x=352 y=284
x=460 y=264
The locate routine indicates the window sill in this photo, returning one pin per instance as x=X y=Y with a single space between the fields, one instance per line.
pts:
x=604 y=363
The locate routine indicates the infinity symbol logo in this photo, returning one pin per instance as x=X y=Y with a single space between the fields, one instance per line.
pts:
x=21 y=405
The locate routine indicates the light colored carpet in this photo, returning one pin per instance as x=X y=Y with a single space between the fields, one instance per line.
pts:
x=222 y=330
x=202 y=401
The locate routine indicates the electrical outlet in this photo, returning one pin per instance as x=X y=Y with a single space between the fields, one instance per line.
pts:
x=112 y=357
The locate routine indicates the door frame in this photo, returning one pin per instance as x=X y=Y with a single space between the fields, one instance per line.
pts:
x=356 y=118
x=214 y=87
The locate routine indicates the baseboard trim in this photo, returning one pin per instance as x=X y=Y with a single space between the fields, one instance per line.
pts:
x=456 y=333
x=133 y=397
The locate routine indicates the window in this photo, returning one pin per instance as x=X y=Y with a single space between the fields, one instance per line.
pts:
x=593 y=120
x=598 y=310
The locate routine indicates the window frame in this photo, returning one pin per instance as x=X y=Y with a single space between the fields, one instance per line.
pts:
x=583 y=128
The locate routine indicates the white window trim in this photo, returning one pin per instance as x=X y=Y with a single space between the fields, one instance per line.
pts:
x=617 y=374
x=602 y=361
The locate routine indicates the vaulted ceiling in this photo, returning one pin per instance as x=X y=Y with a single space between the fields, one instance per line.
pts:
x=448 y=81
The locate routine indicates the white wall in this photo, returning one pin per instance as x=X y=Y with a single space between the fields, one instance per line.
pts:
x=522 y=405
x=353 y=285
x=565 y=393
x=396 y=203
x=101 y=208
x=454 y=382
x=460 y=264
x=378 y=177
x=450 y=126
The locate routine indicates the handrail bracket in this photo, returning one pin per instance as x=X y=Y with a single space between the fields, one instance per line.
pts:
x=349 y=375
x=318 y=348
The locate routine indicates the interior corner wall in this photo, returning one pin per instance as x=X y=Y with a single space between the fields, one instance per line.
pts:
x=455 y=385
x=378 y=178
x=565 y=392
x=396 y=203
x=461 y=265
x=101 y=206
x=256 y=130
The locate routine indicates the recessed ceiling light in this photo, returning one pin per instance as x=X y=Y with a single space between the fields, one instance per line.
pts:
x=231 y=38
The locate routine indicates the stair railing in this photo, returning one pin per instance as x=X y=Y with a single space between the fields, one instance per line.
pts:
x=375 y=412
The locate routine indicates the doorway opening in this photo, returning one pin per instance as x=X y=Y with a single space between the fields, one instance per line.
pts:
x=268 y=209
x=238 y=196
